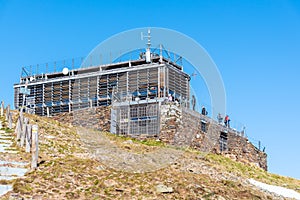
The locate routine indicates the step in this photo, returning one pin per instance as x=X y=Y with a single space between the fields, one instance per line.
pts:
x=12 y=171
x=4 y=189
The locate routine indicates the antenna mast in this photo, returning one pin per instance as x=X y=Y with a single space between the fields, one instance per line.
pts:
x=148 y=49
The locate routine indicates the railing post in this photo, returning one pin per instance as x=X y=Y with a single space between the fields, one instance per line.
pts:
x=7 y=112
x=18 y=127
x=34 y=146
x=10 y=120
x=2 y=108
x=28 y=138
x=23 y=132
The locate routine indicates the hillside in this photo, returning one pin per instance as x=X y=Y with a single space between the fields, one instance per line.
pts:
x=77 y=163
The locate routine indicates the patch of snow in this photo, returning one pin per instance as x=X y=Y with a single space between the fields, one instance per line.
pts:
x=288 y=193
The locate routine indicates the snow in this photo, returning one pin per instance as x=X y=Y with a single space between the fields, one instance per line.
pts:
x=288 y=193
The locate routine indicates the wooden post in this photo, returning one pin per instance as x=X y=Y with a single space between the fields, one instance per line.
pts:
x=28 y=138
x=18 y=128
x=23 y=132
x=7 y=112
x=21 y=117
x=34 y=146
x=48 y=113
x=91 y=103
x=2 y=108
x=10 y=120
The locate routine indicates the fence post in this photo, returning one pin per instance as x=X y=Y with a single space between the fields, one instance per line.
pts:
x=18 y=128
x=23 y=132
x=34 y=146
x=7 y=112
x=28 y=138
x=10 y=120
x=2 y=108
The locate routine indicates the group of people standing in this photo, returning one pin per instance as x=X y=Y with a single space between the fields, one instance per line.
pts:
x=226 y=120
x=220 y=118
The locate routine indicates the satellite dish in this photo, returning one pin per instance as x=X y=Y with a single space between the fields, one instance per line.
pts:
x=31 y=78
x=65 y=71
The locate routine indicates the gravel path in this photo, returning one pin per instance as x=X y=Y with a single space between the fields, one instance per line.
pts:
x=104 y=150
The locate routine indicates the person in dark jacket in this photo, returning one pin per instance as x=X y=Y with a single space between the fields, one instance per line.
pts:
x=204 y=112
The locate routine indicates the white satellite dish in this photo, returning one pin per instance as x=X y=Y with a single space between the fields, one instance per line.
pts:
x=65 y=71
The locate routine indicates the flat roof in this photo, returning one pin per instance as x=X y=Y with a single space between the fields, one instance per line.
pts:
x=95 y=70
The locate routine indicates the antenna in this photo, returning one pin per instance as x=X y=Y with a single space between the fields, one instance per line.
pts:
x=148 y=36
x=148 y=52
x=149 y=39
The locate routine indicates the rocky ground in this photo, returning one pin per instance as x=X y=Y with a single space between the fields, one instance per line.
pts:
x=76 y=163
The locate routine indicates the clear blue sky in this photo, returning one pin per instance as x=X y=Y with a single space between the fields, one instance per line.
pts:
x=255 y=44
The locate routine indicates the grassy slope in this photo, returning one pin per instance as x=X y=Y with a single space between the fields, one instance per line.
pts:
x=67 y=172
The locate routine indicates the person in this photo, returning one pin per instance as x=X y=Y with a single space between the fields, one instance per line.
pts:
x=194 y=102
x=204 y=112
x=227 y=121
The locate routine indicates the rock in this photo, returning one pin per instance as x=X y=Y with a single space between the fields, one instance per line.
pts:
x=220 y=198
x=37 y=197
x=100 y=168
x=110 y=183
x=127 y=147
x=164 y=189
x=128 y=142
x=15 y=196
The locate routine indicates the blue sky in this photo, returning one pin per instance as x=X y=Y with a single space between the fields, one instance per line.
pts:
x=255 y=44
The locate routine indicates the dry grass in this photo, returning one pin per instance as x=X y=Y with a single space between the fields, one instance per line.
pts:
x=65 y=171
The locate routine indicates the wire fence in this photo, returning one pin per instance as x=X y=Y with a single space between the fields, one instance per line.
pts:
x=96 y=60
x=51 y=67
x=257 y=143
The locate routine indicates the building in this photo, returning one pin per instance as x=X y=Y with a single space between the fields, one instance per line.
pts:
x=146 y=97
x=139 y=85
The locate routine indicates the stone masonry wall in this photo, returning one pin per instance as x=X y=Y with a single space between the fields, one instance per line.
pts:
x=240 y=149
x=182 y=127
x=97 y=118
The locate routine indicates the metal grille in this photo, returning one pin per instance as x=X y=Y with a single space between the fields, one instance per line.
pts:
x=223 y=141
x=137 y=119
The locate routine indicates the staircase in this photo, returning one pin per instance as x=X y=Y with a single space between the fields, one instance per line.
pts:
x=10 y=165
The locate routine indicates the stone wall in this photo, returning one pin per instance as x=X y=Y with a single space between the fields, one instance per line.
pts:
x=182 y=127
x=97 y=118
x=240 y=149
